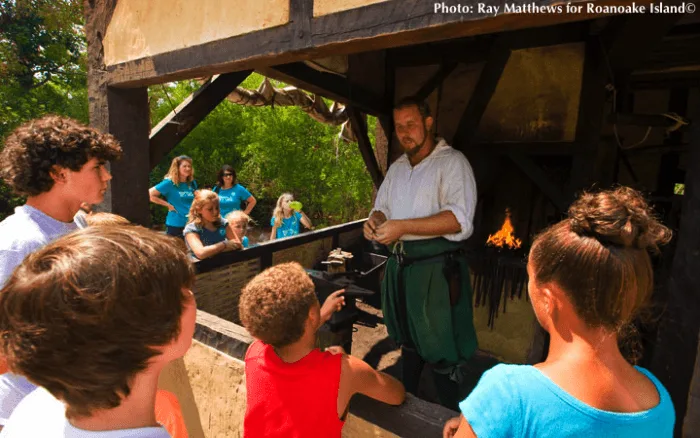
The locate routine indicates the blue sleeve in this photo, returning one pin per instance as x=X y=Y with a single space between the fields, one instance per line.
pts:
x=493 y=408
x=298 y=215
x=164 y=187
x=272 y=221
x=190 y=228
x=242 y=192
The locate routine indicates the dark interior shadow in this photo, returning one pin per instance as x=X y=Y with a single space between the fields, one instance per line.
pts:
x=374 y=355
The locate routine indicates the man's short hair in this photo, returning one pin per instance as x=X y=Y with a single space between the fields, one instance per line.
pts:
x=423 y=107
x=275 y=304
x=34 y=148
x=102 y=218
x=86 y=313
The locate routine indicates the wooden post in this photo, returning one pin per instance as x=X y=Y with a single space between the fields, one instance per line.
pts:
x=125 y=114
x=677 y=340
x=359 y=126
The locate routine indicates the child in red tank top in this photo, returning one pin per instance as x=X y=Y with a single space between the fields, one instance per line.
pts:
x=293 y=389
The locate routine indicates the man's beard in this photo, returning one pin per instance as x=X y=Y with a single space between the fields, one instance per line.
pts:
x=414 y=150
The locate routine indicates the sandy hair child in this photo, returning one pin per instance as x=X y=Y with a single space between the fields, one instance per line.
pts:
x=294 y=389
x=589 y=276
x=105 y=309
x=207 y=233
x=238 y=221
x=285 y=221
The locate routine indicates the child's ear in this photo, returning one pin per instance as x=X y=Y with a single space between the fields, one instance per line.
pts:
x=58 y=173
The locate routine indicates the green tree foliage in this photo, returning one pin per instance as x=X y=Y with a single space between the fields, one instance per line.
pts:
x=42 y=67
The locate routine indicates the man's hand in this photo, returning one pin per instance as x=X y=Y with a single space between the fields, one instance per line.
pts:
x=451 y=427
x=333 y=303
x=376 y=219
x=389 y=232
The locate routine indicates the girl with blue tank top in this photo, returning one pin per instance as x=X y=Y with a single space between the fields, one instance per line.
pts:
x=207 y=233
x=285 y=221
x=589 y=275
x=231 y=194
x=177 y=190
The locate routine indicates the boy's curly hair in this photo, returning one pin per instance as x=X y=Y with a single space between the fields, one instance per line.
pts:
x=275 y=304
x=33 y=149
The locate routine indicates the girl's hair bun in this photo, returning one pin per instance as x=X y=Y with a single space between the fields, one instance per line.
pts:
x=621 y=217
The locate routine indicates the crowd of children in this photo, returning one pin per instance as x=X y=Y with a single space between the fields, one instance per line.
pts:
x=90 y=317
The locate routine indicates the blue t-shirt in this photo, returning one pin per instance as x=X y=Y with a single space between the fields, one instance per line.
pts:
x=179 y=196
x=230 y=199
x=289 y=227
x=207 y=237
x=244 y=240
x=519 y=401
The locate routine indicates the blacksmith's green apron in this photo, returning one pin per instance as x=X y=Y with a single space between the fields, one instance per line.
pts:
x=416 y=301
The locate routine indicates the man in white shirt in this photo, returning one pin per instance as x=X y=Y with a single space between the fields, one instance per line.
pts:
x=424 y=211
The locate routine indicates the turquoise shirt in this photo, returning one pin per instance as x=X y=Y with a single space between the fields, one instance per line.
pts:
x=179 y=196
x=230 y=199
x=289 y=227
x=519 y=401
x=207 y=237
x=244 y=240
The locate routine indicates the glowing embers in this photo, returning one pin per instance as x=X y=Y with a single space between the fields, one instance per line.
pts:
x=505 y=236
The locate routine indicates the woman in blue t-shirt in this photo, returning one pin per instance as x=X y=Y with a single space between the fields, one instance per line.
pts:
x=589 y=275
x=231 y=194
x=178 y=188
x=285 y=221
x=207 y=233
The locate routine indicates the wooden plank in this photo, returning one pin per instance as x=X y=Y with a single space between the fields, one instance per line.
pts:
x=378 y=26
x=476 y=49
x=677 y=340
x=432 y=83
x=332 y=86
x=484 y=89
x=359 y=126
x=629 y=40
x=182 y=120
x=554 y=148
x=541 y=180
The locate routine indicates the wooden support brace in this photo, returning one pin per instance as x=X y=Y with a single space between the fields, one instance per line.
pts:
x=541 y=180
x=435 y=80
x=483 y=91
x=359 y=126
x=182 y=120
x=329 y=85
x=649 y=120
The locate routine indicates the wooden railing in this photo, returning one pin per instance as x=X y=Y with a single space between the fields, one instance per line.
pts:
x=221 y=278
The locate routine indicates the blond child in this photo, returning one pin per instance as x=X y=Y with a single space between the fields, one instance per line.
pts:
x=238 y=221
x=207 y=233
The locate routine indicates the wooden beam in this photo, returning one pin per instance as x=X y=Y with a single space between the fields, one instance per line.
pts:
x=359 y=127
x=373 y=27
x=483 y=91
x=677 y=340
x=554 y=148
x=629 y=40
x=334 y=87
x=182 y=120
x=541 y=180
x=435 y=80
x=589 y=125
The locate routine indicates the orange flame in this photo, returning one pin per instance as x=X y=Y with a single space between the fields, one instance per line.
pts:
x=505 y=235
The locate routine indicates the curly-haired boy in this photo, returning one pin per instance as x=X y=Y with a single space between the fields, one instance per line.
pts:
x=57 y=163
x=93 y=318
x=294 y=389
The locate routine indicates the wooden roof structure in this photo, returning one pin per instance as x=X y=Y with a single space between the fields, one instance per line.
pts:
x=504 y=86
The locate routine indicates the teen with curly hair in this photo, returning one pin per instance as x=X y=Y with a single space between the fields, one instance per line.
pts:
x=590 y=275
x=58 y=164
x=104 y=310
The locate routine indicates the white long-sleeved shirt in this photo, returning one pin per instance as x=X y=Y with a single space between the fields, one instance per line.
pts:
x=442 y=181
